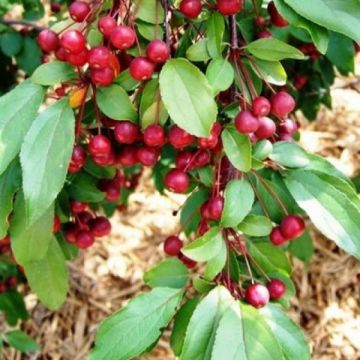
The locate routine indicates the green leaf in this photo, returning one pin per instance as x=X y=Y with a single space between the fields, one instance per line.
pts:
x=83 y=188
x=29 y=57
x=181 y=322
x=289 y=154
x=150 y=11
x=202 y=286
x=48 y=277
x=269 y=257
x=198 y=51
x=130 y=331
x=272 y=49
x=205 y=247
x=20 y=341
x=303 y=247
x=216 y=264
x=188 y=97
x=238 y=200
x=319 y=35
x=341 y=53
x=237 y=148
x=126 y=81
x=45 y=156
x=18 y=109
x=114 y=102
x=220 y=75
x=53 y=73
x=11 y=43
x=149 y=31
x=271 y=71
x=256 y=225
x=262 y=149
x=13 y=306
x=30 y=242
x=331 y=210
x=170 y=273
x=201 y=331
x=288 y=335
x=339 y=16
x=215 y=28
x=10 y=182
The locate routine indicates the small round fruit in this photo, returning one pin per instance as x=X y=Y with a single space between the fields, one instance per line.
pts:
x=73 y=41
x=122 y=37
x=79 y=10
x=55 y=7
x=147 y=155
x=127 y=156
x=261 y=106
x=99 y=145
x=191 y=8
x=276 y=19
x=154 y=135
x=179 y=138
x=106 y=25
x=177 y=180
x=282 y=104
x=173 y=245
x=79 y=59
x=113 y=191
x=77 y=206
x=229 y=7
x=276 y=289
x=288 y=126
x=48 y=40
x=202 y=158
x=84 y=239
x=184 y=160
x=56 y=224
x=212 y=140
x=266 y=128
x=157 y=51
x=99 y=57
x=100 y=226
x=215 y=206
x=264 y=35
x=103 y=77
x=292 y=226
x=257 y=295
x=246 y=122
x=78 y=155
x=126 y=132
x=61 y=54
x=141 y=69
x=83 y=218
x=203 y=227
x=276 y=237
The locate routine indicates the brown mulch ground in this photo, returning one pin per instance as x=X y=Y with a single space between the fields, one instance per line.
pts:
x=104 y=278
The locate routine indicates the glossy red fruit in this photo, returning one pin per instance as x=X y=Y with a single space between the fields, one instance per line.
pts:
x=264 y=35
x=99 y=144
x=191 y=8
x=282 y=104
x=154 y=135
x=246 y=122
x=99 y=57
x=229 y=7
x=177 y=180
x=276 y=237
x=113 y=191
x=260 y=22
x=79 y=59
x=2 y=287
x=266 y=128
x=70 y=233
x=61 y=54
x=83 y=219
x=189 y=263
x=292 y=226
x=84 y=239
x=5 y=240
x=104 y=159
x=212 y=140
x=202 y=158
x=79 y=10
x=157 y=51
x=106 y=25
x=73 y=41
x=122 y=37
x=78 y=158
x=126 y=132
x=11 y=282
x=215 y=207
x=141 y=69
x=276 y=289
x=100 y=226
x=103 y=77
x=276 y=19
x=77 y=206
x=257 y=295
x=173 y=245
x=184 y=160
x=55 y=7
x=148 y=156
x=261 y=106
x=127 y=156
x=56 y=225
x=203 y=227
x=179 y=138
x=288 y=126
x=48 y=40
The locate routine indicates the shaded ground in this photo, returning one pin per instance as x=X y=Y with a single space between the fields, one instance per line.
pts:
x=102 y=279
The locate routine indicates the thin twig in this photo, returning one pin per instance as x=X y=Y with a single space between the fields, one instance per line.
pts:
x=22 y=23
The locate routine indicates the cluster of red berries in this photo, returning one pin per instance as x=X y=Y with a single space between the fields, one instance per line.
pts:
x=291 y=227
x=259 y=126
x=259 y=295
x=172 y=247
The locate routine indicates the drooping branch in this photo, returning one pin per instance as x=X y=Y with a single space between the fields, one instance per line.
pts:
x=22 y=23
